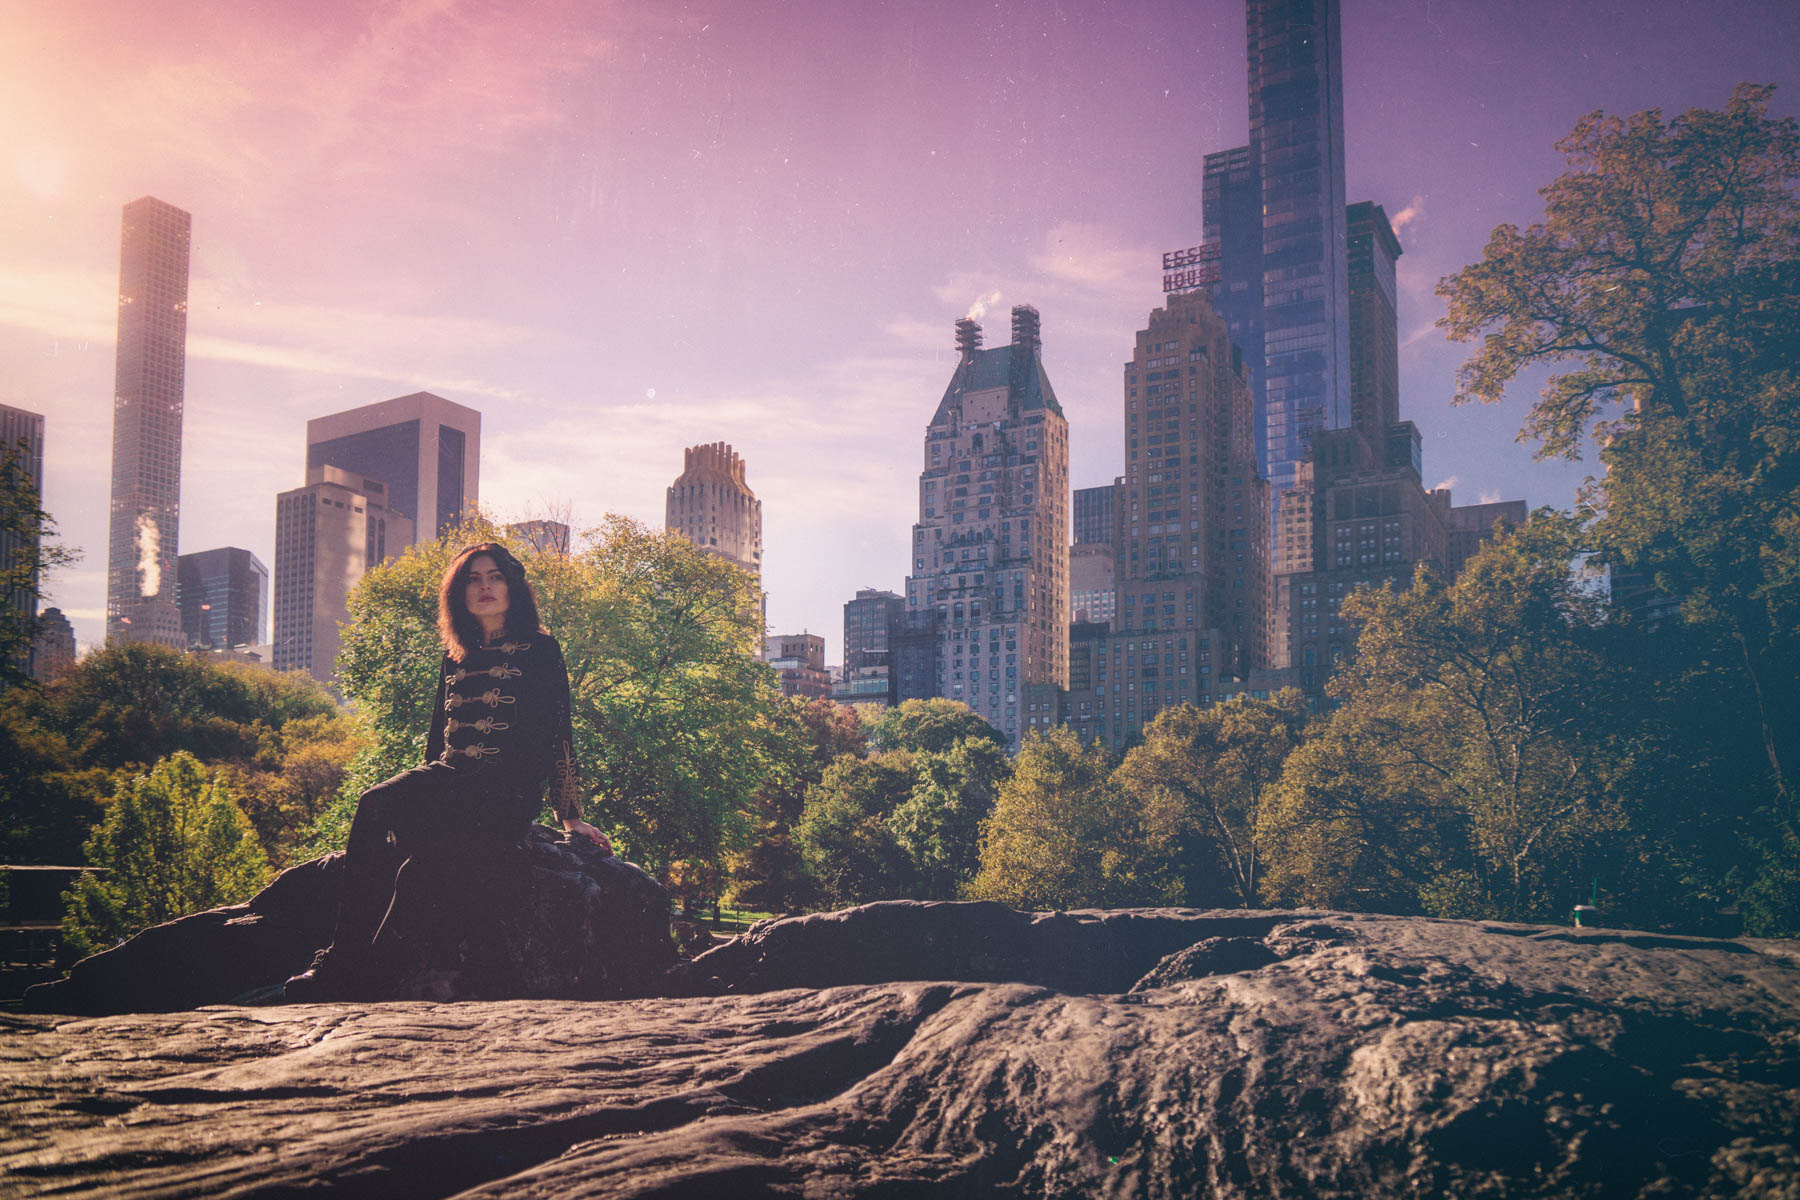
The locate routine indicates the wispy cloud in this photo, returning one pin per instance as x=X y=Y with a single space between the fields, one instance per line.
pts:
x=1093 y=258
x=76 y=305
x=916 y=334
x=1418 y=334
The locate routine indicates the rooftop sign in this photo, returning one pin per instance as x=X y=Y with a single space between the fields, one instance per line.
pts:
x=1190 y=269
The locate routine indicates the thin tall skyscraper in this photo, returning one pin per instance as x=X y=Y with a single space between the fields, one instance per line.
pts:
x=1287 y=186
x=148 y=389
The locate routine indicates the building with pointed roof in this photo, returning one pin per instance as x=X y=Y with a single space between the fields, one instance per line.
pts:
x=989 y=585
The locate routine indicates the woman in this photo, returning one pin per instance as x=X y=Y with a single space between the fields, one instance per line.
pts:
x=500 y=730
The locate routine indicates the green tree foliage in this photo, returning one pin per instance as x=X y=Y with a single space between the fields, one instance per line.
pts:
x=843 y=834
x=129 y=705
x=907 y=820
x=33 y=556
x=1207 y=771
x=1063 y=835
x=769 y=874
x=938 y=826
x=174 y=842
x=1495 y=753
x=930 y=725
x=1667 y=271
x=674 y=717
x=48 y=802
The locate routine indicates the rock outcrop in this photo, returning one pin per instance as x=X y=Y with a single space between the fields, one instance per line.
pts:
x=1268 y=1054
x=558 y=919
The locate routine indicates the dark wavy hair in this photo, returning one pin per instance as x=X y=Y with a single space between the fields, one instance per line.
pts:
x=457 y=626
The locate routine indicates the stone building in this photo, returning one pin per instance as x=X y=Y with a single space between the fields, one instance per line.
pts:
x=53 y=650
x=1192 y=564
x=1360 y=516
x=799 y=659
x=1472 y=526
x=989 y=586
x=711 y=506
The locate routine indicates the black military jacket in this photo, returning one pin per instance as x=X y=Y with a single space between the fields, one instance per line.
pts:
x=504 y=712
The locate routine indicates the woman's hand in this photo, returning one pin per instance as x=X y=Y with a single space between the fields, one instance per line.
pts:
x=579 y=826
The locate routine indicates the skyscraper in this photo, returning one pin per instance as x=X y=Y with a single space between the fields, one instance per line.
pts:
x=1096 y=513
x=1374 y=326
x=327 y=536
x=711 y=506
x=424 y=449
x=1192 y=560
x=990 y=578
x=871 y=623
x=149 y=384
x=224 y=597
x=1297 y=141
x=1231 y=197
x=1275 y=211
x=22 y=433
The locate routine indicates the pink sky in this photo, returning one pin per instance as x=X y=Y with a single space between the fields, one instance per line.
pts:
x=618 y=229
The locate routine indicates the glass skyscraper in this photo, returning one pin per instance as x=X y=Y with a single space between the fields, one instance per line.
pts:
x=424 y=449
x=1276 y=210
x=224 y=598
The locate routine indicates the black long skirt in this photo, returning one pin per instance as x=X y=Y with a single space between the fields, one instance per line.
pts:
x=419 y=845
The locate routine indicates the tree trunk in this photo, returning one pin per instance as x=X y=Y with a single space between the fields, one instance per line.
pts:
x=1771 y=746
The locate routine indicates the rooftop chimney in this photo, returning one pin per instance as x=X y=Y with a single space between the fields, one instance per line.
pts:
x=1025 y=328
x=968 y=337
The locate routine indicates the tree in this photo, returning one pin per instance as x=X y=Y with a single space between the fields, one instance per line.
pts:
x=938 y=826
x=131 y=703
x=930 y=725
x=174 y=842
x=30 y=558
x=66 y=746
x=844 y=837
x=1668 y=269
x=769 y=873
x=1062 y=835
x=905 y=821
x=1210 y=768
x=674 y=718
x=48 y=802
x=1494 y=752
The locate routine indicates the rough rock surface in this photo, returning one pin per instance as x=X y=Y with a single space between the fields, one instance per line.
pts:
x=1270 y=1054
x=557 y=919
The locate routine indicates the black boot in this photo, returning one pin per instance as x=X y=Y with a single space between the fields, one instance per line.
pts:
x=331 y=978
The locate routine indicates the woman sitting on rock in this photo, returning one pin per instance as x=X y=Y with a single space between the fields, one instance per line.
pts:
x=500 y=730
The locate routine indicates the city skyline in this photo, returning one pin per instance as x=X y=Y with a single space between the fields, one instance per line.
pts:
x=621 y=235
